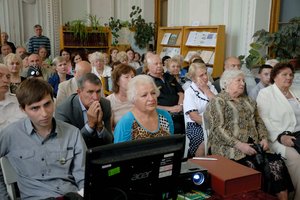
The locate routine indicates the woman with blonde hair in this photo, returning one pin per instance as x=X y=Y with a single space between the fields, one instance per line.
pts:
x=60 y=74
x=122 y=57
x=97 y=61
x=196 y=98
x=14 y=64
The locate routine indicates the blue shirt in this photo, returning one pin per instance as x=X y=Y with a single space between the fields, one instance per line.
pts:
x=45 y=167
x=125 y=127
x=54 y=82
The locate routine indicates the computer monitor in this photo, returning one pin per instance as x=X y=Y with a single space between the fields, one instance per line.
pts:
x=145 y=169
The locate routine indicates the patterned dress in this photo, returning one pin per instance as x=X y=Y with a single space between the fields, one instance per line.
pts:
x=231 y=122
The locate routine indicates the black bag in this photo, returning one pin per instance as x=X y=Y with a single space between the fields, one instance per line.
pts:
x=296 y=141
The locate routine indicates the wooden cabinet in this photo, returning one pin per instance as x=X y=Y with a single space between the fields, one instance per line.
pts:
x=95 y=40
x=186 y=45
x=163 y=43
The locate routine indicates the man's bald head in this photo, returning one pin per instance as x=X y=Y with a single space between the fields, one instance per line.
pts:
x=81 y=68
x=232 y=63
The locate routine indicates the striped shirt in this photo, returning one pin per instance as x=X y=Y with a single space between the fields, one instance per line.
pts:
x=35 y=43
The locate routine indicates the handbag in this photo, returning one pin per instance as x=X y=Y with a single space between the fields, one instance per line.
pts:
x=296 y=141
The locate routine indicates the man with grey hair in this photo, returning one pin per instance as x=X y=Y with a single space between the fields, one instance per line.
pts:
x=88 y=111
x=66 y=88
x=230 y=63
x=171 y=93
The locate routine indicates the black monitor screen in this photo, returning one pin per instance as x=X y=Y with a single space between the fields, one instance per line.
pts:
x=135 y=170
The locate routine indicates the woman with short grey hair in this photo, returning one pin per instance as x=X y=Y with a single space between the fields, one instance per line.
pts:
x=145 y=120
x=137 y=81
x=237 y=132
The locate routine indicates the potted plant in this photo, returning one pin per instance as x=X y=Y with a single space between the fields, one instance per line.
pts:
x=284 y=44
x=115 y=26
x=144 y=31
x=79 y=30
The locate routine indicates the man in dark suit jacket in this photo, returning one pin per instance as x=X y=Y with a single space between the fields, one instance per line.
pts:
x=88 y=111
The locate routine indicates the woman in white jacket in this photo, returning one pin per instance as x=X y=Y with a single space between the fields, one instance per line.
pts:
x=279 y=107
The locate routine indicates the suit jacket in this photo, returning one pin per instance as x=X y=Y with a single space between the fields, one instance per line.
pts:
x=65 y=89
x=277 y=114
x=70 y=111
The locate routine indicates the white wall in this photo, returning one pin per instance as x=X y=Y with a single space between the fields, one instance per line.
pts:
x=241 y=17
x=17 y=18
x=73 y=9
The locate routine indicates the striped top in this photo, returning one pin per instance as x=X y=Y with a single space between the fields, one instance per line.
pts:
x=35 y=43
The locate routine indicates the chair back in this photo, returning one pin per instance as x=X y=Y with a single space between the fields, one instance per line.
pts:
x=10 y=179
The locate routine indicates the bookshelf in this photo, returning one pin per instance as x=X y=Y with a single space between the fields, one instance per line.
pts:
x=169 y=38
x=209 y=41
x=95 y=41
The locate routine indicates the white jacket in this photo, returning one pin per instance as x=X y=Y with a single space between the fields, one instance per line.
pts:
x=277 y=114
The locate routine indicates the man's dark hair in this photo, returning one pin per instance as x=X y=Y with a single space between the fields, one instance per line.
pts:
x=90 y=77
x=33 y=90
x=264 y=67
x=37 y=26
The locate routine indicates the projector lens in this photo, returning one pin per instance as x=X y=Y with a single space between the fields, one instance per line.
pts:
x=198 y=178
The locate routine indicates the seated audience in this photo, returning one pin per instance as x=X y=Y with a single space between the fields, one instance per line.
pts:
x=195 y=58
x=25 y=64
x=60 y=74
x=9 y=106
x=131 y=62
x=97 y=61
x=122 y=57
x=279 y=108
x=66 y=88
x=66 y=54
x=180 y=60
x=144 y=120
x=118 y=99
x=4 y=41
x=14 y=64
x=234 y=129
x=171 y=93
x=43 y=53
x=113 y=55
x=20 y=50
x=144 y=69
x=5 y=50
x=106 y=59
x=264 y=77
x=231 y=63
x=137 y=58
x=88 y=111
x=196 y=98
x=35 y=61
x=75 y=58
x=173 y=68
x=47 y=154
